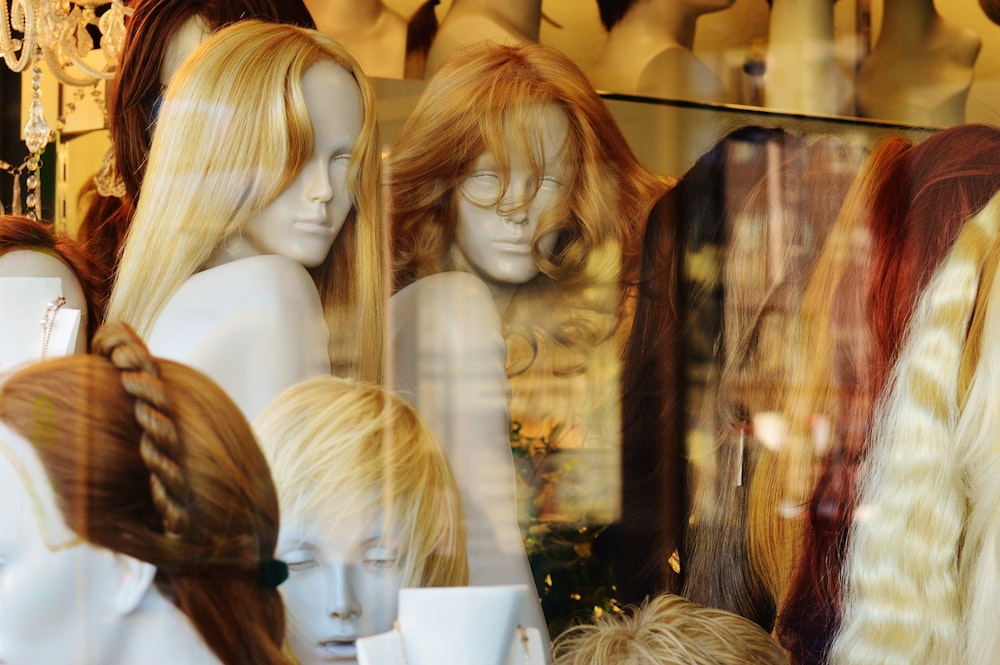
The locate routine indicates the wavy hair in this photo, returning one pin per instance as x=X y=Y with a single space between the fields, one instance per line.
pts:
x=910 y=204
x=334 y=443
x=485 y=95
x=203 y=184
x=903 y=600
x=151 y=459
x=668 y=630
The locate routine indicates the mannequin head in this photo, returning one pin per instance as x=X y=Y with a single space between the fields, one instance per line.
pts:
x=668 y=630
x=369 y=504
x=160 y=33
x=992 y=9
x=205 y=191
x=146 y=474
x=32 y=249
x=504 y=102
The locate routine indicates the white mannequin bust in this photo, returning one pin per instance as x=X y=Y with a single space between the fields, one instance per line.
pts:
x=470 y=21
x=252 y=320
x=66 y=601
x=920 y=69
x=50 y=278
x=451 y=355
x=374 y=33
x=649 y=52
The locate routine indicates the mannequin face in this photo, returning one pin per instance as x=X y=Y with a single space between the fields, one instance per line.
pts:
x=304 y=220
x=495 y=238
x=344 y=582
x=56 y=594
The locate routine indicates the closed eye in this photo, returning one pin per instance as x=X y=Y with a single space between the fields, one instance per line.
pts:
x=380 y=558
x=301 y=559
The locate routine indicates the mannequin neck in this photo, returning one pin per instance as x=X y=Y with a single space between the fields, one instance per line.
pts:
x=668 y=23
x=372 y=32
x=520 y=16
x=345 y=16
x=908 y=20
x=157 y=633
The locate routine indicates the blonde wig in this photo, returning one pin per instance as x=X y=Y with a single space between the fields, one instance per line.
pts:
x=338 y=444
x=233 y=133
x=668 y=630
x=917 y=539
x=784 y=475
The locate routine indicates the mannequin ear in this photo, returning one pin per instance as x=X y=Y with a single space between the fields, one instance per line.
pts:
x=134 y=579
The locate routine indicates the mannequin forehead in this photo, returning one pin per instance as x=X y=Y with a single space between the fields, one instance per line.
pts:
x=29 y=263
x=552 y=135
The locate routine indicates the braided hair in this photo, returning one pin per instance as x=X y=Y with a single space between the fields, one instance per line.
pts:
x=149 y=458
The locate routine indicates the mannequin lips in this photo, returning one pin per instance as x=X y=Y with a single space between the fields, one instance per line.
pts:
x=318 y=227
x=512 y=246
x=335 y=650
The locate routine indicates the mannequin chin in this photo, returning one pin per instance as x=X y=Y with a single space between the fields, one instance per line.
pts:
x=67 y=601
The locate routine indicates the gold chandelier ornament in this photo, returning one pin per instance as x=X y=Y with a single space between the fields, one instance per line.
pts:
x=56 y=31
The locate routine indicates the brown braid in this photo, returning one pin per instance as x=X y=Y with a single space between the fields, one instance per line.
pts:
x=159 y=446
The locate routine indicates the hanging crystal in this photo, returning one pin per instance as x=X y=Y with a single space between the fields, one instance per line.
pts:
x=15 y=195
x=36 y=130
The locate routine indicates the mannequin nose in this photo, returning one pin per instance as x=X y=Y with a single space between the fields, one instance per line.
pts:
x=514 y=206
x=342 y=602
x=319 y=187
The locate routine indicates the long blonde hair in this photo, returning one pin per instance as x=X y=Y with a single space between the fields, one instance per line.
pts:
x=233 y=133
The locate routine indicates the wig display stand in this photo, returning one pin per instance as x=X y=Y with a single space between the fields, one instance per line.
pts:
x=456 y=625
x=32 y=326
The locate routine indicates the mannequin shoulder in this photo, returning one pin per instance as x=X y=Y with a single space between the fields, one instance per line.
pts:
x=453 y=298
x=677 y=73
x=256 y=293
x=266 y=280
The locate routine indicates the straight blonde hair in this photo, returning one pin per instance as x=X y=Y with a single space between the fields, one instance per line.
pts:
x=233 y=134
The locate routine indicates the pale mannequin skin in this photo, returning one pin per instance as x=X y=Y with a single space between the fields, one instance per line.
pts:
x=343 y=583
x=374 y=33
x=470 y=21
x=452 y=360
x=255 y=293
x=649 y=52
x=66 y=601
x=27 y=263
x=920 y=69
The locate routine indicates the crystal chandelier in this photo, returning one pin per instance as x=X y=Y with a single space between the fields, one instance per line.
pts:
x=56 y=32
